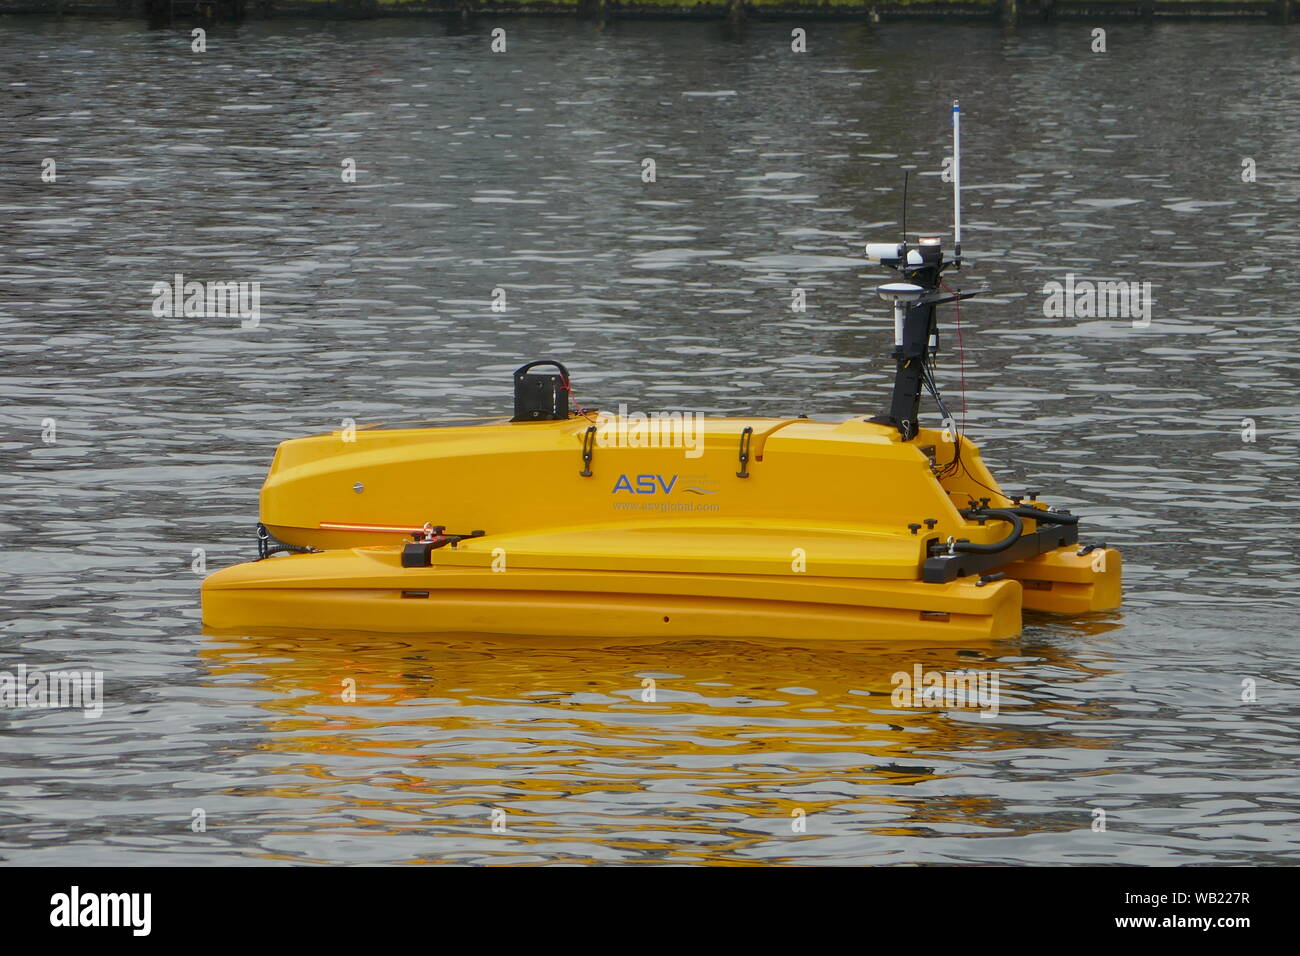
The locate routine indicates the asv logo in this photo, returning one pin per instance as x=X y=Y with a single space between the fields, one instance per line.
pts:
x=645 y=484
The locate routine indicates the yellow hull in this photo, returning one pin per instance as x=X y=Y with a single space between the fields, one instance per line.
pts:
x=820 y=532
x=354 y=590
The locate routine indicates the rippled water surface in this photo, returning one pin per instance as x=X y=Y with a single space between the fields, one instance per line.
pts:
x=522 y=171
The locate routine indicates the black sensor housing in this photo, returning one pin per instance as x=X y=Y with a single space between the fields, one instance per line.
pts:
x=541 y=396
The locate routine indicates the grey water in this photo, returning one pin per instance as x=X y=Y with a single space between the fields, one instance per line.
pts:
x=133 y=444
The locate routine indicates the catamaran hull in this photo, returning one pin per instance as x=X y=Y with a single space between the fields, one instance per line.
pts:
x=780 y=528
x=368 y=590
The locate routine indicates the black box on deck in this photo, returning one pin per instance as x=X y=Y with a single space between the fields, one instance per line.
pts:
x=540 y=396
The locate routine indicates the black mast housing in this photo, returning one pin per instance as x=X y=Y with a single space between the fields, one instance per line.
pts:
x=917 y=341
x=919 y=330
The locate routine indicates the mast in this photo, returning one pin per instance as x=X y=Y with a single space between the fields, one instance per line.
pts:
x=916 y=333
x=956 y=185
x=916 y=336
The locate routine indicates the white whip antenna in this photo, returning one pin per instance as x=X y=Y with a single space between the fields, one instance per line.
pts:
x=956 y=183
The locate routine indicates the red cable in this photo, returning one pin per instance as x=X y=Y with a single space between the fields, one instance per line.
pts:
x=961 y=357
x=568 y=387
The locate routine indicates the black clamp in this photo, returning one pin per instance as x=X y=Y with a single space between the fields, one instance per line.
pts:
x=745 y=437
x=419 y=553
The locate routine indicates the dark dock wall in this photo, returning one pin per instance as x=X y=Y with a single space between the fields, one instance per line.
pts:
x=1007 y=11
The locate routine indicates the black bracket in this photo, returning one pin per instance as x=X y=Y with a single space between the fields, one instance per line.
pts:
x=745 y=437
x=588 y=443
x=946 y=565
x=419 y=553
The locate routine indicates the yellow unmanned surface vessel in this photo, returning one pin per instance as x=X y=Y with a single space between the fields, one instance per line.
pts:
x=573 y=523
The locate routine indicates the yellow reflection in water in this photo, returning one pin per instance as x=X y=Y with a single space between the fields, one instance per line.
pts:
x=694 y=751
